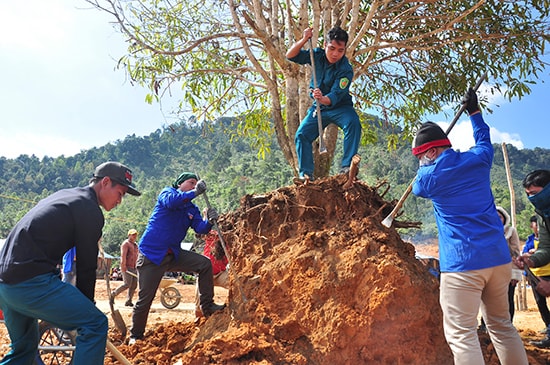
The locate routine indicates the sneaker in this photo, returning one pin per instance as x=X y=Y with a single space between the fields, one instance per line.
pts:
x=129 y=303
x=132 y=341
x=344 y=170
x=302 y=180
x=210 y=309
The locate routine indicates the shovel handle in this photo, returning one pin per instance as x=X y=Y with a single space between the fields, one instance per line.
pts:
x=117 y=354
x=322 y=146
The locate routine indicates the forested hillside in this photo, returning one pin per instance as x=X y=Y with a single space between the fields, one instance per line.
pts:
x=232 y=169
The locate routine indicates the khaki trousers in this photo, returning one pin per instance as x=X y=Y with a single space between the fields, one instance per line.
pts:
x=462 y=294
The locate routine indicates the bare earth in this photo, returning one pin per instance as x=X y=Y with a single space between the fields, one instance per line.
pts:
x=320 y=281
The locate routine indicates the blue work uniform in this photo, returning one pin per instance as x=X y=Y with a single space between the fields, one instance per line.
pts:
x=334 y=81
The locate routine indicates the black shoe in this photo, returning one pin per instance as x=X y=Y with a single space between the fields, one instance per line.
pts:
x=210 y=309
x=543 y=344
x=129 y=303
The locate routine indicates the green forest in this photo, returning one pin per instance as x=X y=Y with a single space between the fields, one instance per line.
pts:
x=231 y=167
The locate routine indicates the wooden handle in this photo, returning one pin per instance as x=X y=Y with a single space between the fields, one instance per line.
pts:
x=117 y=354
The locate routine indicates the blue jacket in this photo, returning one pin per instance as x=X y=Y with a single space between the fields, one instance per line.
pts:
x=172 y=216
x=471 y=235
x=68 y=260
x=333 y=79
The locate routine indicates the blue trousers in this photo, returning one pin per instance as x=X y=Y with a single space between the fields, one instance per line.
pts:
x=344 y=117
x=46 y=297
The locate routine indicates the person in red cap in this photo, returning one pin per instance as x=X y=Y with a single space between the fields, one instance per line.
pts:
x=459 y=186
x=128 y=257
x=30 y=286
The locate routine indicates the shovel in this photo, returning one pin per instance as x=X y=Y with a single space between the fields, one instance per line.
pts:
x=217 y=228
x=387 y=222
x=115 y=314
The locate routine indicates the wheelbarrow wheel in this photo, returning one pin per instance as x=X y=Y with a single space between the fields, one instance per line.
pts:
x=56 y=346
x=170 y=297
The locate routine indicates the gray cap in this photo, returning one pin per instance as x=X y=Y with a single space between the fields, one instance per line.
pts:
x=118 y=173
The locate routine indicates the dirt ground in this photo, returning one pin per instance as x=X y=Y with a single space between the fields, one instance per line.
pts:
x=318 y=280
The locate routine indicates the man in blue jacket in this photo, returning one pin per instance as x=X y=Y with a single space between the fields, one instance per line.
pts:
x=334 y=75
x=458 y=183
x=160 y=248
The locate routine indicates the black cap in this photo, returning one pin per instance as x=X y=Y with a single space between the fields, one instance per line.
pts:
x=429 y=135
x=118 y=173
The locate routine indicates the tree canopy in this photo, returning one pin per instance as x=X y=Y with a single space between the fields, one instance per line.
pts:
x=411 y=58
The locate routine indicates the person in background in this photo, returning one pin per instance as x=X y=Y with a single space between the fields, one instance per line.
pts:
x=213 y=249
x=128 y=257
x=537 y=188
x=69 y=267
x=334 y=75
x=530 y=247
x=470 y=278
x=30 y=285
x=160 y=248
x=511 y=235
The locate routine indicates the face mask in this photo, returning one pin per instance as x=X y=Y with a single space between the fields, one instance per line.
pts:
x=541 y=200
x=425 y=160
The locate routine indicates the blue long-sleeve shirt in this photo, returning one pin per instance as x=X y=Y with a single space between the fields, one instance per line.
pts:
x=172 y=216
x=471 y=235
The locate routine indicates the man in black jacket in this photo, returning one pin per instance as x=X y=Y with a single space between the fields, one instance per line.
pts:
x=30 y=286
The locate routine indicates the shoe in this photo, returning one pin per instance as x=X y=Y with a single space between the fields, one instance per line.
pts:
x=129 y=303
x=344 y=170
x=132 y=341
x=210 y=309
x=302 y=180
x=543 y=344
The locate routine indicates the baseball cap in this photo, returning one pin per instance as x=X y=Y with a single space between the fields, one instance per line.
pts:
x=132 y=231
x=117 y=172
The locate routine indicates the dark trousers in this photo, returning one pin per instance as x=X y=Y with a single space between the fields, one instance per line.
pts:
x=541 y=301
x=150 y=275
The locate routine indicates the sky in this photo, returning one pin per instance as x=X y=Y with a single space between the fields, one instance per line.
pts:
x=61 y=92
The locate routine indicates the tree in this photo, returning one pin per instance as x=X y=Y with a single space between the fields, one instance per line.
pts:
x=410 y=57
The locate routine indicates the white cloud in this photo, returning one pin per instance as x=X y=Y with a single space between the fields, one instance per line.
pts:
x=462 y=136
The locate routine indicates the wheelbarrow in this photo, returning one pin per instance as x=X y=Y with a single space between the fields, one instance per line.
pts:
x=170 y=297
